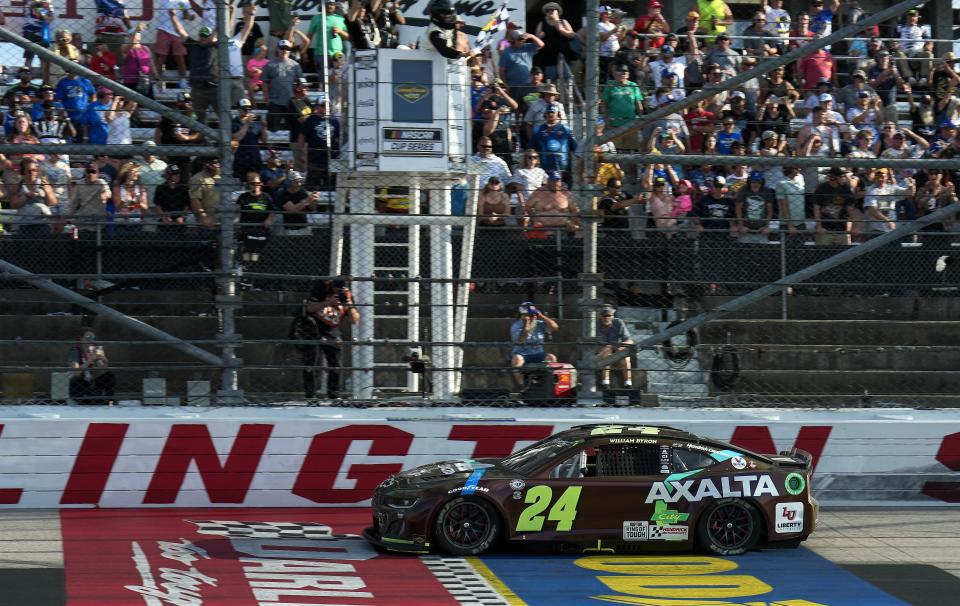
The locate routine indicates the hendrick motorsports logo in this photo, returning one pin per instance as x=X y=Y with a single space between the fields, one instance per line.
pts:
x=411 y=92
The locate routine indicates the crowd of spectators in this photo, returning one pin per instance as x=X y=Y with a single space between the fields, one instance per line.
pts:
x=882 y=94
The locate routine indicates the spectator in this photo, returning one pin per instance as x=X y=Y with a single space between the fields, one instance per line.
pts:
x=700 y=123
x=535 y=116
x=493 y=205
x=557 y=35
x=295 y=202
x=552 y=205
x=55 y=169
x=613 y=206
x=530 y=176
x=884 y=77
x=169 y=132
x=129 y=198
x=152 y=173
x=330 y=304
x=833 y=209
x=943 y=79
x=33 y=198
x=23 y=87
x=865 y=144
x=255 y=66
x=880 y=201
x=901 y=149
x=758 y=40
x=728 y=135
x=826 y=123
x=934 y=195
x=91 y=382
x=118 y=117
x=714 y=211
x=743 y=118
x=94 y=122
x=528 y=334
x=250 y=136
x=88 y=199
x=274 y=174
x=52 y=125
x=772 y=144
x=278 y=77
x=172 y=199
x=614 y=335
x=622 y=104
x=722 y=55
x=821 y=18
x=792 y=208
x=113 y=25
x=715 y=15
x=516 y=61
x=76 y=93
x=668 y=63
x=203 y=63
x=774 y=115
x=631 y=56
x=778 y=20
x=139 y=72
x=205 y=193
x=814 y=69
x=168 y=40
x=320 y=134
x=801 y=34
x=867 y=113
x=691 y=26
x=650 y=26
x=754 y=209
x=609 y=35
x=103 y=61
x=335 y=37
x=255 y=219
x=362 y=30
x=37 y=17
x=922 y=115
x=495 y=119
x=555 y=142
x=913 y=41
x=848 y=96
x=64 y=48
x=490 y=164
x=387 y=15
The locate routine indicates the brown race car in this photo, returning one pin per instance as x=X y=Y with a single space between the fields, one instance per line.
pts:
x=609 y=488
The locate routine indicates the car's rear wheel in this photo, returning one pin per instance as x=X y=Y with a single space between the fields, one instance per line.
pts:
x=466 y=526
x=729 y=527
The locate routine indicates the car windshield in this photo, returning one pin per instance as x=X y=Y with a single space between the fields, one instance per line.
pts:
x=533 y=457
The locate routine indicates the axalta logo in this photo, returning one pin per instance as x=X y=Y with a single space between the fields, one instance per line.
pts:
x=672 y=491
x=411 y=92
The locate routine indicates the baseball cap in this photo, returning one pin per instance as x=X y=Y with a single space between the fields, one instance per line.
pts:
x=554 y=176
x=301 y=81
x=667 y=74
x=693 y=15
x=295 y=176
x=552 y=108
x=527 y=307
x=825 y=82
x=103 y=91
x=607 y=310
x=737 y=94
x=863 y=94
x=824 y=97
x=666 y=49
x=835 y=171
x=173 y=169
x=723 y=37
x=183 y=97
x=244 y=103
x=320 y=99
x=768 y=134
x=865 y=133
x=755 y=176
x=859 y=73
x=655 y=4
x=774 y=99
x=284 y=43
x=948 y=124
x=718 y=180
x=205 y=32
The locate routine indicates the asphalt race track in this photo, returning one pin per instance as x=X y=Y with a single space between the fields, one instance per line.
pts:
x=284 y=557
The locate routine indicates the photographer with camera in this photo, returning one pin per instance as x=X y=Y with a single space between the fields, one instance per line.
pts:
x=387 y=16
x=528 y=334
x=90 y=381
x=329 y=305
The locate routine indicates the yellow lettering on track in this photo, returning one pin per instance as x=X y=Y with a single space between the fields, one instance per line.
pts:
x=658 y=565
x=638 y=601
x=688 y=586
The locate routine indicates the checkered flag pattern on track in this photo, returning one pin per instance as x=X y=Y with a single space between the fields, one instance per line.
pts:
x=263 y=530
x=464 y=583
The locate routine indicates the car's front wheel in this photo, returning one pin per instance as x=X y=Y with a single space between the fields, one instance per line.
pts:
x=729 y=527
x=466 y=526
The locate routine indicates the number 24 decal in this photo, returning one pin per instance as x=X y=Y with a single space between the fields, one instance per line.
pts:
x=563 y=512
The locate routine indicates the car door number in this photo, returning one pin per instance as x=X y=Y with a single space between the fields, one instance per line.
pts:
x=563 y=511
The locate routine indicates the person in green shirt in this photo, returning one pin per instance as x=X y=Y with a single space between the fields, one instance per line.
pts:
x=622 y=103
x=336 y=32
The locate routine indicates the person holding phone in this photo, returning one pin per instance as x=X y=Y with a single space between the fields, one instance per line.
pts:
x=91 y=382
x=528 y=333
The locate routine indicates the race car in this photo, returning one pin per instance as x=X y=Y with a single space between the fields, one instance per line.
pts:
x=601 y=488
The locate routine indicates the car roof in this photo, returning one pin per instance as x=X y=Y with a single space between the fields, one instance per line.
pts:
x=584 y=432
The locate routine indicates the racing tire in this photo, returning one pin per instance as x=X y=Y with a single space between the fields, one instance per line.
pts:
x=729 y=527
x=466 y=526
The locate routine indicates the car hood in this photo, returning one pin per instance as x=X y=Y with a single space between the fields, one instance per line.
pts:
x=453 y=470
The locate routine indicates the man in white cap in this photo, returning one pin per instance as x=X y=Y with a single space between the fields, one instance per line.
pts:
x=528 y=333
x=614 y=335
x=250 y=136
x=278 y=77
x=295 y=202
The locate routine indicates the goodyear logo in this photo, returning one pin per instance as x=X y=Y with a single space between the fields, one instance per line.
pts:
x=411 y=92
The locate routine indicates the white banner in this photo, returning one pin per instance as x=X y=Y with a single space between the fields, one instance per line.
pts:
x=292 y=458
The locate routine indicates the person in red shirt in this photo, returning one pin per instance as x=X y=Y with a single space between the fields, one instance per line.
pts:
x=651 y=23
x=815 y=67
x=700 y=123
x=103 y=61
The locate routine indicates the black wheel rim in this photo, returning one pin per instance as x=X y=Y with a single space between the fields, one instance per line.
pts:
x=730 y=526
x=466 y=525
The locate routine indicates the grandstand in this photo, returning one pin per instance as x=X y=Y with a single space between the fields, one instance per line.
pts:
x=437 y=270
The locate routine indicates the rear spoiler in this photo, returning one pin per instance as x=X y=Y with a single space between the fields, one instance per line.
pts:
x=795 y=457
